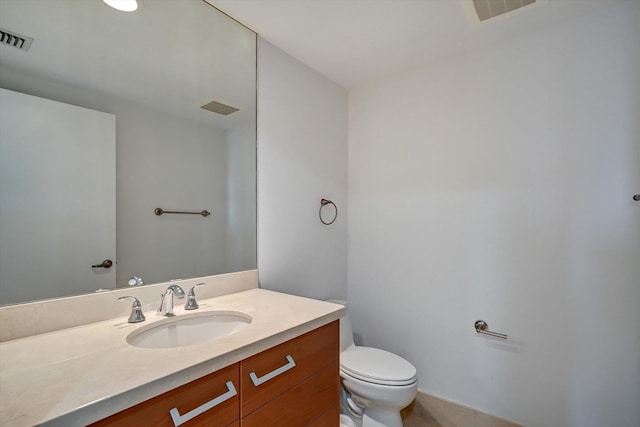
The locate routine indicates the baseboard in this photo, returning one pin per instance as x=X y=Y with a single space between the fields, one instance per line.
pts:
x=431 y=411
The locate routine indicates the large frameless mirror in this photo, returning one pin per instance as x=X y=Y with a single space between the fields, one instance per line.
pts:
x=108 y=118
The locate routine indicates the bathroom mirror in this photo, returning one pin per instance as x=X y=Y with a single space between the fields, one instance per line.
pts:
x=151 y=72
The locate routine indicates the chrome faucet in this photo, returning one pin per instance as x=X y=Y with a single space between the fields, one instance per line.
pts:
x=166 y=305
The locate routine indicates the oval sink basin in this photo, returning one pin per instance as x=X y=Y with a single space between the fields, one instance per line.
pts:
x=189 y=329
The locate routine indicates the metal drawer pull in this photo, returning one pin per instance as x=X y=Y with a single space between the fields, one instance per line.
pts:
x=181 y=419
x=257 y=381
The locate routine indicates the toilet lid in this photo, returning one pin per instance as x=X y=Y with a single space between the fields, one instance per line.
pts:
x=377 y=366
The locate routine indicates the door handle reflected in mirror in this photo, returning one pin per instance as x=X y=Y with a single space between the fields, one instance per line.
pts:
x=107 y=263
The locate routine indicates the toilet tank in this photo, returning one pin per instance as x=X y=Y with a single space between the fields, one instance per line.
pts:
x=346 y=331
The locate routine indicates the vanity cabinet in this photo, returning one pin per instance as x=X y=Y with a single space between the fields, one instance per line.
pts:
x=292 y=384
x=219 y=389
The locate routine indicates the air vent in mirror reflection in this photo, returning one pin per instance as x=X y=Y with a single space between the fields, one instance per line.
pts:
x=219 y=108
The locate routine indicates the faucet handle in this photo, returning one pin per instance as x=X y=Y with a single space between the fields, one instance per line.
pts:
x=136 y=310
x=192 y=304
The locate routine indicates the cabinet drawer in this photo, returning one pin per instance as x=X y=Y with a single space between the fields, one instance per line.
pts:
x=198 y=394
x=282 y=367
x=312 y=402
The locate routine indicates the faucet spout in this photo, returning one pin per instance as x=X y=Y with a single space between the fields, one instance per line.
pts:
x=166 y=305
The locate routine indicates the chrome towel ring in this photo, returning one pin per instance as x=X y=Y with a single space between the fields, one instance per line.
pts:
x=323 y=203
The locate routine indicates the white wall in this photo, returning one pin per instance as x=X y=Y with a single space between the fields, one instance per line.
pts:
x=499 y=186
x=302 y=157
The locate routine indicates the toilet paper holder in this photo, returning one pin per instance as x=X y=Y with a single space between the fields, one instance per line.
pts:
x=483 y=328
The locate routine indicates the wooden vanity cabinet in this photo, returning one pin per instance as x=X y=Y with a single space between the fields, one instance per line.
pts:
x=222 y=385
x=295 y=383
x=292 y=384
x=312 y=402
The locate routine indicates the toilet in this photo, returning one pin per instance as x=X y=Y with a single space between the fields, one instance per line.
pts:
x=377 y=384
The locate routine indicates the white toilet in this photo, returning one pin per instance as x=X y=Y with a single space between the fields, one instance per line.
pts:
x=378 y=381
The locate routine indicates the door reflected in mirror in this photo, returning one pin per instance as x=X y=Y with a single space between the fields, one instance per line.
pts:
x=151 y=71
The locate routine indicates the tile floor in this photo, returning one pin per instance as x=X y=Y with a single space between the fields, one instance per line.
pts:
x=414 y=416
x=430 y=411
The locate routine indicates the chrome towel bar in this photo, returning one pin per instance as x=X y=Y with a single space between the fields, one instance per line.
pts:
x=159 y=211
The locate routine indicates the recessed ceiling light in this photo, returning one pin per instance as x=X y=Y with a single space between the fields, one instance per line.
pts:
x=123 y=5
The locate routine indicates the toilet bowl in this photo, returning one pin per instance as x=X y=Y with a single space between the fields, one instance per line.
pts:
x=380 y=383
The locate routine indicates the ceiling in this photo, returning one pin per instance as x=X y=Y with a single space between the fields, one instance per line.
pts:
x=356 y=42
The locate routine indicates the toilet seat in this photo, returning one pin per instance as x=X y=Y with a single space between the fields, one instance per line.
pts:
x=377 y=366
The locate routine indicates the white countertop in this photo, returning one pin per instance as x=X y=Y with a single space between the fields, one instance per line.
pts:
x=79 y=375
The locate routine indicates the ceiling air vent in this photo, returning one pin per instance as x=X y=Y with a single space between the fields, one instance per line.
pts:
x=19 y=41
x=219 y=108
x=491 y=8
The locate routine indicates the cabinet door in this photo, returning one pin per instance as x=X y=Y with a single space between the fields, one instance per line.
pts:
x=213 y=400
x=312 y=402
x=273 y=372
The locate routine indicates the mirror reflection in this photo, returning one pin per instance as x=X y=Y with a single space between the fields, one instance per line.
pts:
x=101 y=123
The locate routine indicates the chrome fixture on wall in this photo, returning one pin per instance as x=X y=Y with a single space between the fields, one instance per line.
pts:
x=159 y=211
x=323 y=203
x=483 y=328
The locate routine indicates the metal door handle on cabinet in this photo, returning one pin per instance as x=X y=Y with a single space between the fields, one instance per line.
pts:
x=181 y=419
x=263 y=379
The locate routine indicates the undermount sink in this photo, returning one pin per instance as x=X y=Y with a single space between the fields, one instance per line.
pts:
x=189 y=329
